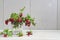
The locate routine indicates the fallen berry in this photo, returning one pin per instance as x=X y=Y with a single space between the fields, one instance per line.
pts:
x=5 y=35
x=29 y=33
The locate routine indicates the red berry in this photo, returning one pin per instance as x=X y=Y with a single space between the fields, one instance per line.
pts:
x=28 y=25
x=29 y=33
x=6 y=22
x=28 y=21
x=5 y=35
x=21 y=15
x=19 y=20
x=12 y=20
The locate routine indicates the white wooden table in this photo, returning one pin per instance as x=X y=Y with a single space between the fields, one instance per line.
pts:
x=38 y=35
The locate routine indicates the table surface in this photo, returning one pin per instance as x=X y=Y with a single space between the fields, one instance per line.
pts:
x=37 y=35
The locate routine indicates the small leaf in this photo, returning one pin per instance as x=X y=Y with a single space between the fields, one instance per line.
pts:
x=20 y=34
x=9 y=33
x=33 y=23
x=22 y=9
x=23 y=19
x=28 y=16
x=1 y=33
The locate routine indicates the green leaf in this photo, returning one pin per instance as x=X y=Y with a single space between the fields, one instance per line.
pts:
x=23 y=19
x=28 y=16
x=9 y=33
x=31 y=19
x=5 y=31
x=20 y=34
x=22 y=9
x=14 y=15
x=1 y=33
x=33 y=23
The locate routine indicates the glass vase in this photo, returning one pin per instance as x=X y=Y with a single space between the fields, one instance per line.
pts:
x=17 y=30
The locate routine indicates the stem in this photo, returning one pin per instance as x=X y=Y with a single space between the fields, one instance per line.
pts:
x=20 y=26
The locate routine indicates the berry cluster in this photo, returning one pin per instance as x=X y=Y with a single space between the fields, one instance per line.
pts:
x=19 y=19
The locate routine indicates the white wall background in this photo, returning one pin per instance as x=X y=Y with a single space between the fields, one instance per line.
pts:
x=45 y=12
x=1 y=14
x=58 y=14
